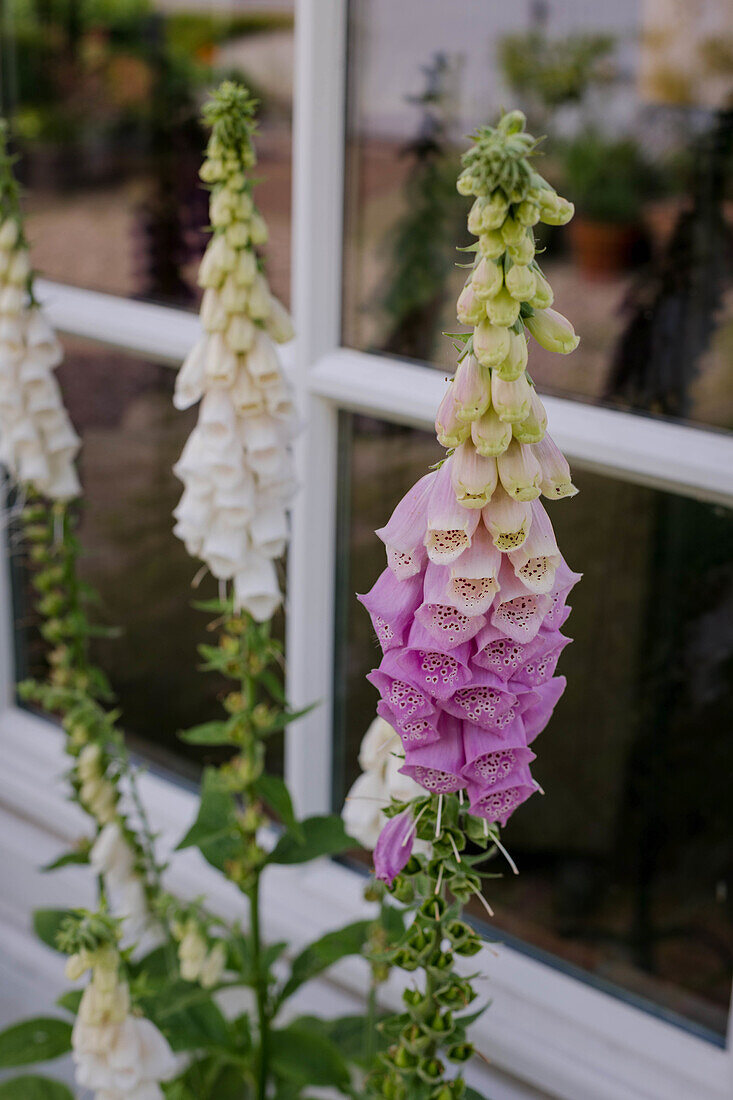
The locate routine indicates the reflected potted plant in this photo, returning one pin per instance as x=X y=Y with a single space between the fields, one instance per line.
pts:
x=608 y=180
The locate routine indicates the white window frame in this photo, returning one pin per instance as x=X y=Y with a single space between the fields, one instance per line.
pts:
x=554 y=1032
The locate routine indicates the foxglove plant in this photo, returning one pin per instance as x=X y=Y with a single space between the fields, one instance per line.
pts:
x=236 y=466
x=470 y=608
x=144 y=1002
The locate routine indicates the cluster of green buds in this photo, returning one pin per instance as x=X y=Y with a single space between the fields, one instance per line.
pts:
x=255 y=710
x=433 y=887
x=79 y=692
x=492 y=408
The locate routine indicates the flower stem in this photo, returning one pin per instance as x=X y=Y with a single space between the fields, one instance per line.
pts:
x=263 y=1016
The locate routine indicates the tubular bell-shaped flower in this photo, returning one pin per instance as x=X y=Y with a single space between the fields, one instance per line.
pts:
x=38 y=444
x=237 y=464
x=470 y=630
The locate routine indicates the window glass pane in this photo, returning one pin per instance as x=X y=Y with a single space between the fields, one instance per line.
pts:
x=626 y=862
x=104 y=99
x=635 y=100
x=122 y=408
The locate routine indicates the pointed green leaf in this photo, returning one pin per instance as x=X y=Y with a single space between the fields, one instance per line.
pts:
x=324 y=836
x=318 y=956
x=209 y=733
x=189 y=1018
x=354 y=1036
x=33 y=1087
x=274 y=793
x=302 y=1055
x=36 y=1040
x=79 y=855
x=215 y=830
x=47 y=923
x=70 y=1001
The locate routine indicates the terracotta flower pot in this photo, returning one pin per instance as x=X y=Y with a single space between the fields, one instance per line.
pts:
x=601 y=249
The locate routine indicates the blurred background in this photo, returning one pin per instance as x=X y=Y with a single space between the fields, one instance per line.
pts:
x=627 y=864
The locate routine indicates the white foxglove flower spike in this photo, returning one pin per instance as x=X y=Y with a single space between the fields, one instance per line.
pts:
x=236 y=467
x=37 y=442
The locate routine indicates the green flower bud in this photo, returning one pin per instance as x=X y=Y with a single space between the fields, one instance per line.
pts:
x=403 y=1059
x=502 y=309
x=403 y=890
x=491 y=244
x=490 y=435
x=527 y=213
x=433 y=909
x=491 y=344
x=523 y=251
x=521 y=282
x=494 y=212
x=430 y=1070
x=553 y=331
x=487 y=279
x=461 y=1053
x=543 y=296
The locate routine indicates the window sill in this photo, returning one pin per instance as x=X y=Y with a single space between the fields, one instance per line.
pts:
x=568 y=1039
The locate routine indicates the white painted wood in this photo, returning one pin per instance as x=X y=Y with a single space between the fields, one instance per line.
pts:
x=688 y=460
x=317 y=206
x=564 y=1038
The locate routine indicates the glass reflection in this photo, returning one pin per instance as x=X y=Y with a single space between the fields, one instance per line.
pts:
x=626 y=864
x=104 y=100
x=636 y=102
x=122 y=408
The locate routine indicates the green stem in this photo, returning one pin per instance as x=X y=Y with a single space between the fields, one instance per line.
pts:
x=263 y=1018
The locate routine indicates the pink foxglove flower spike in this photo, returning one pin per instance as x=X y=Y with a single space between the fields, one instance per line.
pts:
x=469 y=611
x=236 y=467
x=493 y=573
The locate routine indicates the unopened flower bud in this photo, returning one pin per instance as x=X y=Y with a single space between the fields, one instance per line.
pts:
x=520 y=282
x=491 y=244
x=470 y=310
x=532 y=430
x=471 y=389
x=502 y=309
x=513 y=366
x=553 y=331
x=487 y=279
x=491 y=344
x=527 y=213
x=543 y=296
x=490 y=435
x=451 y=431
x=523 y=251
x=473 y=476
x=494 y=212
x=511 y=400
x=556 y=478
x=519 y=472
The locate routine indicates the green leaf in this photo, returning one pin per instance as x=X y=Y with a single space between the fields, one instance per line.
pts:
x=241 y=959
x=471 y=1094
x=301 y=1054
x=47 y=923
x=215 y=830
x=350 y=1034
x=156 y=964
x=274 y=793
x=80 y=855
x=324 y=836
x=70 y=1001
x=209 y=733
x=33 y=1087
x=189 y=1018
x=318 y=956
x=36 y=1040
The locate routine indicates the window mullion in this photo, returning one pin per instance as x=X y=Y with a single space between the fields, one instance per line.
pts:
x=318 y=179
